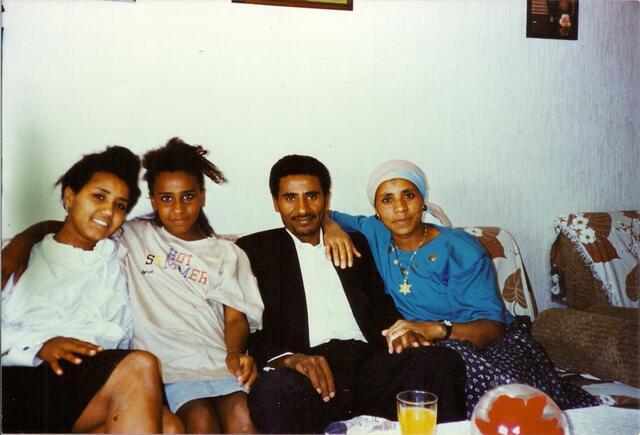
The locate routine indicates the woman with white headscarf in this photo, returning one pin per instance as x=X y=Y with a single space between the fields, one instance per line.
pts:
x=442 y=282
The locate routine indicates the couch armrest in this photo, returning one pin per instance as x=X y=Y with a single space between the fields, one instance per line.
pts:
x=602 y=345
x=512 y=281
x=632 y=314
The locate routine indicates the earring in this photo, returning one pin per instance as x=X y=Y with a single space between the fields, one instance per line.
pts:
x=377 y=216
x=424 y=207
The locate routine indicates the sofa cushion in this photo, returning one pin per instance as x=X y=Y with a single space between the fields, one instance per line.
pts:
x=603 y=345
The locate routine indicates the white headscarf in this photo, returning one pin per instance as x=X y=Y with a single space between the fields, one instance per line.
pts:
x=410 y=172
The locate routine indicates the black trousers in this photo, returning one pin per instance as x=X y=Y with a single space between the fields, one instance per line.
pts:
x=367 y=380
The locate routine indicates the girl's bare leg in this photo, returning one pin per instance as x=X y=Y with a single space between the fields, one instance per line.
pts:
x=171 y=423
x=199 y=416
x=130 y=400
x=234 y=413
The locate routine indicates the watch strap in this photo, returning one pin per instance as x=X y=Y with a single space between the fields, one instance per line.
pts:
x=448 y=328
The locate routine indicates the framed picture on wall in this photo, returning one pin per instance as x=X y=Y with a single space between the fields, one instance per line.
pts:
x=346 y=5
x=552 y=19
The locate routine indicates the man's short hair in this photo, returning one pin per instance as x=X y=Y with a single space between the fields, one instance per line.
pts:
x=295 y=164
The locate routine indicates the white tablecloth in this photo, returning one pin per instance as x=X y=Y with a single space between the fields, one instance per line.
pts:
x=584 y=421
x=598 y=420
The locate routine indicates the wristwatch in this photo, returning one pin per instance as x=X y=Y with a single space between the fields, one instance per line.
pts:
x=448 y=327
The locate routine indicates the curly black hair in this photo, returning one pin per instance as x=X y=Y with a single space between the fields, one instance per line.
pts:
x=178 y=156
x=116 y=160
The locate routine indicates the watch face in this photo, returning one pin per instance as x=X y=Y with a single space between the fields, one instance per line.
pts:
x=447 y=322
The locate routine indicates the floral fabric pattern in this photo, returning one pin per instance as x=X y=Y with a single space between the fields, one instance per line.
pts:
x=609 y=244
x=511 y=280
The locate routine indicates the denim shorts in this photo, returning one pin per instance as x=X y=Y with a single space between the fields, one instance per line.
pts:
x=179 y=393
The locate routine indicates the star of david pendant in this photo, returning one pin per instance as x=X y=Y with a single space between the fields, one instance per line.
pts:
x=405 y=288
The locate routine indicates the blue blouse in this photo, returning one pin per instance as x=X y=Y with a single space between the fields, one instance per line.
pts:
x=451 y=277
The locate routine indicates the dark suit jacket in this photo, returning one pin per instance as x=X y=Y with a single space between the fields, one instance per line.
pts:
x=274 y=262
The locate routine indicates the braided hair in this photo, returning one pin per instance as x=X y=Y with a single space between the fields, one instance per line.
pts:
x=178 y=156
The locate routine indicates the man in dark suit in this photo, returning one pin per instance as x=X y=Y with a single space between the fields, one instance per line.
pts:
x=321 y=347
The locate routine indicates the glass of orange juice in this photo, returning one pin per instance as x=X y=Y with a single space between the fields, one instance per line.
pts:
x=417 y=412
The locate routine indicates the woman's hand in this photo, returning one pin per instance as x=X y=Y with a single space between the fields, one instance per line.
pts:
x=338 y=246
x=405 y=341
x=243 y=368
x=426 y=331
x=66 y=348
x=480 y=333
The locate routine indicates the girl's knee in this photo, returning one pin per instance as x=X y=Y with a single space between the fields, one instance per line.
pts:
x=143 y=360
x=142 y=363
x=199 y=416
x=234 y=413
x=171 y=423
x=139 y=371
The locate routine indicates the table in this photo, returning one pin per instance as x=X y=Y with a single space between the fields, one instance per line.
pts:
x=584 y=421
x=597 y=420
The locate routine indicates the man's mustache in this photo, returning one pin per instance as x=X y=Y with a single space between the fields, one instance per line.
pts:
x=305 y=216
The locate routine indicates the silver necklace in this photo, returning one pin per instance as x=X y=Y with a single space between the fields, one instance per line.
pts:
x=405 y=287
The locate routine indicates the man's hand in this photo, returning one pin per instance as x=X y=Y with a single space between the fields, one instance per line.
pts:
x=314 y=367
x=66 y=348
x=243 y=368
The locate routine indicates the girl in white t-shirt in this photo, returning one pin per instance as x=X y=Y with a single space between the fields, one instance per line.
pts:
x=194 y=298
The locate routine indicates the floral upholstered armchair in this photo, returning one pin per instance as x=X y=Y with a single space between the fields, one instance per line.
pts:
x=595 y=275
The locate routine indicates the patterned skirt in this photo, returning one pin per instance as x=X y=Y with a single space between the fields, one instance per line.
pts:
x=516 y=358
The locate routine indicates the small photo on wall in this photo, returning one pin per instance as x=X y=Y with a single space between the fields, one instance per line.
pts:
x=552 y=19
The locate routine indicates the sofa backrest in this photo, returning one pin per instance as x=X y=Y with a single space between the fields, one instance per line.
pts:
x=594 y=260
x=512 y=281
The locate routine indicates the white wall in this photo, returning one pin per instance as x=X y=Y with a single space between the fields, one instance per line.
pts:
x=511 y=131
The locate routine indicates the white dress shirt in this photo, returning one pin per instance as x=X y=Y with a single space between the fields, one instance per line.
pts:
x=328 y=309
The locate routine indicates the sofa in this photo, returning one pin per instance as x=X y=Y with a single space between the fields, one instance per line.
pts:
x=596 y=277
x=591 y=333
